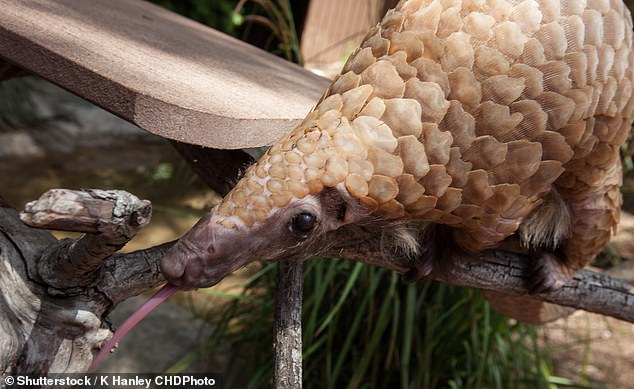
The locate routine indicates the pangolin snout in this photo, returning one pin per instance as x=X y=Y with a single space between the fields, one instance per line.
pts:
x=205 y=255
x=183 y=265
x=194 y=261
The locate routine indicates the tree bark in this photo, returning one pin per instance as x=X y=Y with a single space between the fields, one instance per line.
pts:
x=505 y=272
x=288 y=326
x=109 y=220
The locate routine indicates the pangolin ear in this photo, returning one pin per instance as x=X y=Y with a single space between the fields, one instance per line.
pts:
x=339 y=208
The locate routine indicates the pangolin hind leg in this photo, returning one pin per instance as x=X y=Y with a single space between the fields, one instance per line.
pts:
x=589 y=211
x=540 y=237
x=591 y=224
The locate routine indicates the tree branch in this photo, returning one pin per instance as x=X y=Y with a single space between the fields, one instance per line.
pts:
x=130 y=274
x=507 y=273
x=288 y=325
x=109 y=219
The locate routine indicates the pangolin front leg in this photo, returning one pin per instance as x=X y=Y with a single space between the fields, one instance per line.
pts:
x=492 y=119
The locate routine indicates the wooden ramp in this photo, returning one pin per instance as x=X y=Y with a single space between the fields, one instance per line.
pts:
x=165 y=73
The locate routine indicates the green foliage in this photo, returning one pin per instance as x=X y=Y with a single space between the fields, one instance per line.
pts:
x=214 y=13
x=277 y=17
x=364 y=328
x=246 y=19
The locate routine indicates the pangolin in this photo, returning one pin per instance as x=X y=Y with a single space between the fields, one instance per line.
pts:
x=457 y=125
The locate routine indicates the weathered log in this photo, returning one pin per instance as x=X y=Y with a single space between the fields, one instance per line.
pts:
x=52 y=329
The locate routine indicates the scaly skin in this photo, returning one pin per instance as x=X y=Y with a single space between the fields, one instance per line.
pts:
x=472 y=114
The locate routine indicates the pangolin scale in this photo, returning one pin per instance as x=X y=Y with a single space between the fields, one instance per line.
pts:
x=491 y=118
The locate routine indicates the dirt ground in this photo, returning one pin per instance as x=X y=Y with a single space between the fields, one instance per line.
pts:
x=593 y=348
x=598 y=349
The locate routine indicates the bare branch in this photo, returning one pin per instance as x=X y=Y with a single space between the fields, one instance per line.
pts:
x=109 y=218
x=507 y=273
x=127 y=275
x=288 y=325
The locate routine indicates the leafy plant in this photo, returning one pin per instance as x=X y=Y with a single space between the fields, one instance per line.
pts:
x=278 y=18
x=214 y=13
x=240 y=17
x=364 y=328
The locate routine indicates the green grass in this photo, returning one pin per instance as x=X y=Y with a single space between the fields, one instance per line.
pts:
x=364 y=328
x=277 y=17
x=214 y=13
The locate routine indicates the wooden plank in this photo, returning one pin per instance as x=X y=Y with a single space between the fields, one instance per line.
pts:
x=334 y=28
x=167 y=74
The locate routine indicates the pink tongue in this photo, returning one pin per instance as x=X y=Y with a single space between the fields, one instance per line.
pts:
x=133 y=320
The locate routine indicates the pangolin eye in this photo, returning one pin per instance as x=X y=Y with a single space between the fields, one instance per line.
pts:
x=302 y=224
